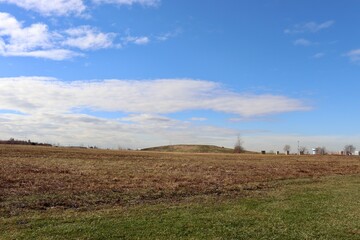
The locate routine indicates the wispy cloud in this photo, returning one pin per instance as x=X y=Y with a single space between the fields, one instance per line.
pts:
x=142 y=40
x=86 y=37
x=318 y=55
x=309 y=27
x=354 y=55
x=38 y=41
x=145 y=117
x=150 y=3
x=302 y=42
x=71 y=7
x=53 y=7
x=49 y=110
x=251 y=119
x=168 y=35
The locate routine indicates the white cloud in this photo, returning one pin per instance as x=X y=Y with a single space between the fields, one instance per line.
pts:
x=309 y=27
x=303 y=42
x=56 y=111
x=251 y=119
x=71 y=7
x=318 y=55
x=354 y=55
x=53 y=7
x=150 y=3
x=150 y=97
x=168 y=35
x=141 y=118
x=136 y=40
x=21 y=38
x=37 y=40
x=77 y=129
x=52 y=54
x=198 y=119
x=86 y=37
x=144 y=40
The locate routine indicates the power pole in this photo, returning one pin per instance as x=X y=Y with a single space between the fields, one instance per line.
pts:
x=298 y=147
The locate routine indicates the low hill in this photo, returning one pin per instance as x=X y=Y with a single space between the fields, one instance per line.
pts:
x=190 y=149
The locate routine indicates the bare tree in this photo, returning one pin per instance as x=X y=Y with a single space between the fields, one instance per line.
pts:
x=238 y=148
x=349 y=149
x=320 y=150
x=303 y=150
x=287 y=148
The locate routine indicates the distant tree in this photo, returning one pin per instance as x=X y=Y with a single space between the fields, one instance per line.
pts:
x=349 y=149
x=287 y=148
x=320 y=150
x=238 y=148
x=303 y=150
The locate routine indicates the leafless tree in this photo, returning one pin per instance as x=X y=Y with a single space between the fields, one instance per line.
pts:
x=320 y=150
x=238 y=148
x=287 y=148
x=303 y=150
x=349 y=149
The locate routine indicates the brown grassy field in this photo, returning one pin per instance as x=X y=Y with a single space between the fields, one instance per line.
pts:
x=40 y=178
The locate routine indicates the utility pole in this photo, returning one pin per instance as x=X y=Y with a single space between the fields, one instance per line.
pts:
x=298 y=147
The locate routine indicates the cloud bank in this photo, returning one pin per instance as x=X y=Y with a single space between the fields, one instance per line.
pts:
x=26 y=94
x=47 y=109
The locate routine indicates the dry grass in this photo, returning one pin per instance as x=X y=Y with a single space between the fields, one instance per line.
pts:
x=37 y=178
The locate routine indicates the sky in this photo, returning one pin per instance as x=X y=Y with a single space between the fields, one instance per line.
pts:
x=142 y=73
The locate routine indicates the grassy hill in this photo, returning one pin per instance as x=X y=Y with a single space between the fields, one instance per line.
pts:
x=190 y=149
x=187 y=148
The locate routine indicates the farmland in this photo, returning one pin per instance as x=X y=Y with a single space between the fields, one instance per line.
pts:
x=48 y=192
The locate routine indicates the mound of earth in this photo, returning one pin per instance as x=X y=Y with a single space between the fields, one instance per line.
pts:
x=190 y=149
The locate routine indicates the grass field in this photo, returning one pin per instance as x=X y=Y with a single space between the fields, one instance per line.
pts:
x=59 y=193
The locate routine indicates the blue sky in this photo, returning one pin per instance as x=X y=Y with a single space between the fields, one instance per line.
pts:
x=138 y=73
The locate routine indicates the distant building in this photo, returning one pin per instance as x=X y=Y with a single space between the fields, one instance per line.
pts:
x=313 y=151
